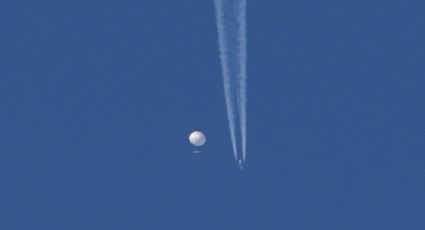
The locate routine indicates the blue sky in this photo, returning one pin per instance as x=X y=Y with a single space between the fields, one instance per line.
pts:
x=97 y=99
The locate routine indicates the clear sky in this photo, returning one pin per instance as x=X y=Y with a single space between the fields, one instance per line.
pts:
x=97 y=99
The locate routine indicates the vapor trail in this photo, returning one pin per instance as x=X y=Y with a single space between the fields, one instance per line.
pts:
x=243 y=75
x=231 y=25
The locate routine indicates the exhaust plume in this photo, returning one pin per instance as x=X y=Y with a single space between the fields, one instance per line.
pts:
x=231 y=25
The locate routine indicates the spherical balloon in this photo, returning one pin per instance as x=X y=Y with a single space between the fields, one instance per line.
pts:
x=197 y=138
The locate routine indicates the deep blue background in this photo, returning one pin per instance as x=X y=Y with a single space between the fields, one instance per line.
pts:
x=97 y=99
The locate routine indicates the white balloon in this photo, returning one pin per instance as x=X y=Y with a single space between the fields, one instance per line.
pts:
x=197 y=138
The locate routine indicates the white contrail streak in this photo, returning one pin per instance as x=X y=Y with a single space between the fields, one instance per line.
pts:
x=231 y=25
x=243 y=75
x=230 y=103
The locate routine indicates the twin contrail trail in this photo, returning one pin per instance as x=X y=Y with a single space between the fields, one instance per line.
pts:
x=231 y=25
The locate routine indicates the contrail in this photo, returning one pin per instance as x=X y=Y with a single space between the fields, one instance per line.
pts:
x=243 y=75
x=231 y=25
